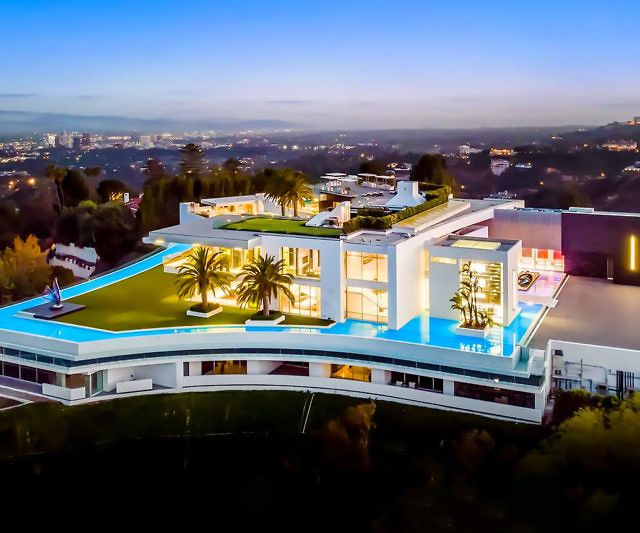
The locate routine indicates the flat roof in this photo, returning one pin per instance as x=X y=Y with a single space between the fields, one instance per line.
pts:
x=433 y=216
x=225 y=200
x=593 y=311
x=477 y=243
x=203 y=232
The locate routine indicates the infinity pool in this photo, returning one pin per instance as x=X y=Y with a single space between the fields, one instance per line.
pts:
x=420 y=330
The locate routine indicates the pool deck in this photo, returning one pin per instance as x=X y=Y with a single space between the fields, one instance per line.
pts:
x=421 y=330
x=593 y=311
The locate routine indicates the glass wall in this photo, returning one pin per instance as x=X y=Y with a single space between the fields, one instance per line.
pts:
x=233 y=259
x=358 y=373
x=370 y=267
x=307 y=301
x=367 y=304
x=301 y=262
x=490 y=282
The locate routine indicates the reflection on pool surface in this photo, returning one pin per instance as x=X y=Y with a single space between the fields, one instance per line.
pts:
x=441 y=332
x=420 y=330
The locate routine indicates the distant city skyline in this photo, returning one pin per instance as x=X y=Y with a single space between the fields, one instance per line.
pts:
x=323 y=65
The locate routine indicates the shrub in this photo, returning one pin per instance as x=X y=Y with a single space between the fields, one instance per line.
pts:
x=385 y=222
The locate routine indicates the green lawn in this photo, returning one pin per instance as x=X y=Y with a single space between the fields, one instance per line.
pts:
x=281 y=225
x=149 y=300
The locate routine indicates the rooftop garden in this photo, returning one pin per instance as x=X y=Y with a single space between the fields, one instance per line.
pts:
x=379 y=218
x=281 y=225
x=149 y=300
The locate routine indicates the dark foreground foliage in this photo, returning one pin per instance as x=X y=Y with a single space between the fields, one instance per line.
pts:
x=266 y=461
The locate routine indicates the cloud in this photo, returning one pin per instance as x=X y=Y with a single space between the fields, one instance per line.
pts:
x=87 y=96
x=289 y=102
x=17 y=95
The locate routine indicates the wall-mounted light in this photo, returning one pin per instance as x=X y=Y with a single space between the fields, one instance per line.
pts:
x=633 y=253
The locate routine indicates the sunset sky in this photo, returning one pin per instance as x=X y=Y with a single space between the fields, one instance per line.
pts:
x=463 y=63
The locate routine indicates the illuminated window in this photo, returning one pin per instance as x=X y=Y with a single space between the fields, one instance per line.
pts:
x=307 y=301
x=367 y=304
x=444 y=260
x=233 y=259
x=358 y=373
x=490 y=282
x=301 y=262
x=370 y=267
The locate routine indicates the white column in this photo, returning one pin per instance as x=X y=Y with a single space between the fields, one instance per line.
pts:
x=261 y=367
x=380 y=376
x=447 y=387
x=319 y=370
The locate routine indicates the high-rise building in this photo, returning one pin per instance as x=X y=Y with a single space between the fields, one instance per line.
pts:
x=49 y=140
x=57 y=142
x=146 y=141
x=76 y=146
x=86 y=140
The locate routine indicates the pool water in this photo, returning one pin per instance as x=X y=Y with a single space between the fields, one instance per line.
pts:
x=420 y=330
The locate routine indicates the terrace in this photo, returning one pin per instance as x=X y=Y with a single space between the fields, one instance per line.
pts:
x=139 y=300
x=110 y=308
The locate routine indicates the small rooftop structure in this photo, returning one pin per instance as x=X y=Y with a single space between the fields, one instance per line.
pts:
x=407 y=195
x=336 y=217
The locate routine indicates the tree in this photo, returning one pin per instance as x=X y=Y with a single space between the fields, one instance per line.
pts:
x=261 y=280
x=111 y=231
x=154 y=169
x=57 y=174
x=92 y=172
x=465 y=300
x=289 y=188
x=11 y=222
x=74 y=188
x=111 y=189
x=25 y=271
x=192 y=164
x=432 y=168
x=375 y=166
x=201 y=272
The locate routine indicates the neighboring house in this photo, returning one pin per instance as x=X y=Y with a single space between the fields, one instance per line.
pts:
x=81 y=261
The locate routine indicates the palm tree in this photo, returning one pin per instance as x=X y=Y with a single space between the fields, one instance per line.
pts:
x=295 y=191
x=459 y=303
x=262 y=279
x=202 y=272
x=289 y=188
x=274 y=190
x=465 y=300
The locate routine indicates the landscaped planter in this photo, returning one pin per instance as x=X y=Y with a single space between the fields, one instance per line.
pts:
x=203 y=314
x=253 y=321
x=473 y=332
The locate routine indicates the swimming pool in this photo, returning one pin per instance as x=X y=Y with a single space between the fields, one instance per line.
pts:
x=420 y=330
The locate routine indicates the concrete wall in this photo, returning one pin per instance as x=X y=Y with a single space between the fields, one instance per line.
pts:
x=535 y=228
x=407 y=281
x=365 y=390
x=63 y=393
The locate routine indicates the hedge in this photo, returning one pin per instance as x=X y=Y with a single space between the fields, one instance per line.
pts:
x=438 y=197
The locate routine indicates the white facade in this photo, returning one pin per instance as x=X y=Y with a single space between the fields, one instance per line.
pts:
x=81 y=261
x=385 y=279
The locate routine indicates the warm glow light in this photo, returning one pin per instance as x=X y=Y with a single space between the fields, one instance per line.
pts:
x=633 y=253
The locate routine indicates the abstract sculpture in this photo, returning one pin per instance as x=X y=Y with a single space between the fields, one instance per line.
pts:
x=53 y=295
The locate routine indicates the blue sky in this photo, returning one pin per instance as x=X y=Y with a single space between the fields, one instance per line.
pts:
x=325 y=63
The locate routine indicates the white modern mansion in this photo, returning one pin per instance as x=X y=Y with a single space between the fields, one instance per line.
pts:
x=375 y=286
